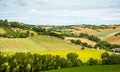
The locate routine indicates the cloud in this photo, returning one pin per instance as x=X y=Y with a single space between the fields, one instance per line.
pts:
x=62 y=11
x=110 y=18
x=33 y=11
x=14 y=3
x=95 y=13
x=63 y=3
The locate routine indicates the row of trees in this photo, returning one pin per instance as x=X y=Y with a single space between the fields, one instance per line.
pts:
x=117 y=34
x=105 y=45
x=108 y=59
x=27 y=62
x=100 y=44
x=15 y=35
x=90 y=37
x=11 y=34
x=78 y=42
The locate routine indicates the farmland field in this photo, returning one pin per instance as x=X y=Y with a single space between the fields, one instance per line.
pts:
x=84 y=55
x=46 y=45
x=35 y=44
x=113 y=40
x=2 y=31
x=101 y=33
x=103 y=68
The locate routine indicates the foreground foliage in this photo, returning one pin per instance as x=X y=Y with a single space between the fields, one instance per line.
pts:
x=27 y=62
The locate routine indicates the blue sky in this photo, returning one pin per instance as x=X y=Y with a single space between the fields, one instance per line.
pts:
x=61 y=12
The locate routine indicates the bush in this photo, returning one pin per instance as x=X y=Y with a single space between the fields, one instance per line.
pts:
x=104 y=55
x=112 y=59
x=73 y=57
x=92 y=61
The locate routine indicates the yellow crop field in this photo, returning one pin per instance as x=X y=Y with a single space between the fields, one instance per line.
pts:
x=84 y=55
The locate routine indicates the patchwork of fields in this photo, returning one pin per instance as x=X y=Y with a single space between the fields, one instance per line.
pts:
x=52 y=45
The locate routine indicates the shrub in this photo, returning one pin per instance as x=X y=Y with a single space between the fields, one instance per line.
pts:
x=92 y=61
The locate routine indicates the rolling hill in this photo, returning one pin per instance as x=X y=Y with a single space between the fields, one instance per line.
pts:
x=46 y=45
x=35 y=44
x=100 y=32
x=113 y=40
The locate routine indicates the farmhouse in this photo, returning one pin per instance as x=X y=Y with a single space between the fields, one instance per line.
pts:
x=116 y=50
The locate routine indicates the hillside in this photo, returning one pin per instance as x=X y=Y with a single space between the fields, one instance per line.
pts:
x=113 y=40
x=2 y=31
x=102 y=33
x=35 y=44
x=92 y=43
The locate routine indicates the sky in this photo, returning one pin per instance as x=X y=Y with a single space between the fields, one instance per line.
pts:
x=61 y=12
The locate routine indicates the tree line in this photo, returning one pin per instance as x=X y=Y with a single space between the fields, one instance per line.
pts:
x=78 y=42
x=27 y=62
x=12 y=34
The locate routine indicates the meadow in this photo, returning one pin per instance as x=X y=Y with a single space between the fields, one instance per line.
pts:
x=35 y=44
x=101 y=68
x=2 y=31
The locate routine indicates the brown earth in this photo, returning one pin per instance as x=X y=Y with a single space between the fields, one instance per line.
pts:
x=114 y=40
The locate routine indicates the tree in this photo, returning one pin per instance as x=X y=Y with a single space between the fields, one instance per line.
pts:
x=112 y=59
x=92 y=61
x=2 y=62
x=73 y=58
x=82 y=48
x=104 y=55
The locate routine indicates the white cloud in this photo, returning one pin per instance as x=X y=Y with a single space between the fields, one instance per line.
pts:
x=33 y=11
x=110 y=18
x=88 y=14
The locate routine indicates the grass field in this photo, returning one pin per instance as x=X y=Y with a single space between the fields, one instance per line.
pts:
x=2 y=31
x=106 y=34
x=102 y=68
x=35 y=44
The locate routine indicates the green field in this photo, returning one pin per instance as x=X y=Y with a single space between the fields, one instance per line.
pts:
x=108 y=33
x=2 y=31
x=102 y=68
x=35 y=44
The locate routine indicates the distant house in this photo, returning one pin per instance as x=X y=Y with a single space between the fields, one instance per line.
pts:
x=116 y=50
